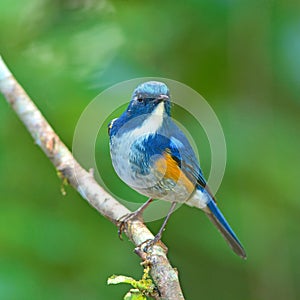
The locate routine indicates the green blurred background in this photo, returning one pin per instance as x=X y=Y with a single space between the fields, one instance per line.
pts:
x=242 y=56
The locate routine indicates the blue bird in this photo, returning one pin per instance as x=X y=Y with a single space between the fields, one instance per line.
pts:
x=154 y=157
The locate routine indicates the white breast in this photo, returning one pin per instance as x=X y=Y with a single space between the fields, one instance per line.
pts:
x=121 y=146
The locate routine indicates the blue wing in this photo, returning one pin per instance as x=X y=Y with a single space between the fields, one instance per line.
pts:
x=172 y=140
x=189 y=162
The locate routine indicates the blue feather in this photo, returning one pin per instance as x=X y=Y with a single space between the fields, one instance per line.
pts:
x=220 y=222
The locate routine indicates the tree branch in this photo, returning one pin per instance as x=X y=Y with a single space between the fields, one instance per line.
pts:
x=163 y=274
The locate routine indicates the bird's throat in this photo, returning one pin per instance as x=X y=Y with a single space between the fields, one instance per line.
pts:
x=152 y=122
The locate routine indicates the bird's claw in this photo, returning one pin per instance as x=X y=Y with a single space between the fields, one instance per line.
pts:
x=122 y=222
x=147 y=244
x=144 y=246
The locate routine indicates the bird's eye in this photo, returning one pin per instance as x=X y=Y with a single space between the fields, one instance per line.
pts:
x=139 y=100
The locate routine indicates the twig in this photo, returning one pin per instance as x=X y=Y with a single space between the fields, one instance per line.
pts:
x=163 y=274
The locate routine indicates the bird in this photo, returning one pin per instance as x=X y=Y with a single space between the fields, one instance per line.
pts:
x=153 y=156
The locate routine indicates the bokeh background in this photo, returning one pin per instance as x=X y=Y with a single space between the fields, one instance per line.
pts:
x=242 y=56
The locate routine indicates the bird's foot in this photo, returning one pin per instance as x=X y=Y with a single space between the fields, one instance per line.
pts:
x=122 y=222
x=148 y=244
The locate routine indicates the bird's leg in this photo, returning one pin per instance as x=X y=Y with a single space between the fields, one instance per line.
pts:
x=158 y=236
x=136 y=214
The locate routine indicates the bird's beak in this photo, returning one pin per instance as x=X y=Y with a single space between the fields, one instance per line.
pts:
x=162 y=98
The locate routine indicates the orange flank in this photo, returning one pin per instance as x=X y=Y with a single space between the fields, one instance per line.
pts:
x=170 y=169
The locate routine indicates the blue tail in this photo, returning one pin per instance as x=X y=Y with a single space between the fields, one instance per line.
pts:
x=220 y=222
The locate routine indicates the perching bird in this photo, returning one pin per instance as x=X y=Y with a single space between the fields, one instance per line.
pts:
x=154 y=157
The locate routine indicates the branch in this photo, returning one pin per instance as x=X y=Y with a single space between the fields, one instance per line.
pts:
x=163 y=274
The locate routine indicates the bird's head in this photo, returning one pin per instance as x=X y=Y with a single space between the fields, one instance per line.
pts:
x=150 y=101
x=147 y=97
